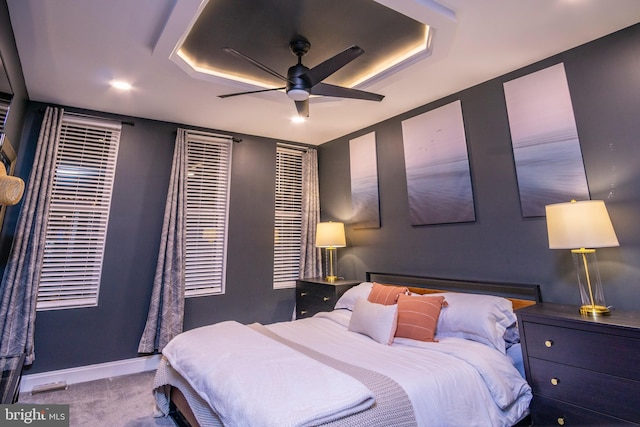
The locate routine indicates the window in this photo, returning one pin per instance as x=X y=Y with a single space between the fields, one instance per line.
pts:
x=4 y=110
x=78 y=213
x=208 y=180
x=288 y=216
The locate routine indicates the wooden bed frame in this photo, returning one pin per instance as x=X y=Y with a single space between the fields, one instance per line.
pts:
x=180 y=411
x=521 y=295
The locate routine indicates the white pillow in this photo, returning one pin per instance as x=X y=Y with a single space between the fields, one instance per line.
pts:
x=374 y=320
x=349 y=298
x=481 y=318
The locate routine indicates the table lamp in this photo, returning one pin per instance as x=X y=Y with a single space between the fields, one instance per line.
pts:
x=330 y=235
x=582 y=227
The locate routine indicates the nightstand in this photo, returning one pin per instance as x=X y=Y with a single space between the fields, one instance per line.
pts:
x=583 y=370
x=316 y=294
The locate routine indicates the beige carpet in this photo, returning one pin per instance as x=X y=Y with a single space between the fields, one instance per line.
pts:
x=125 y=401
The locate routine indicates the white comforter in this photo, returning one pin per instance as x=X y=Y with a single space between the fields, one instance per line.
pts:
x=451 y=383
x=246 y=377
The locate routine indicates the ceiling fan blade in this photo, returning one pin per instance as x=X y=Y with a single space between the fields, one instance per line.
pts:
x=255 y=63
x=323 y=70
x=303 y=108
x=325 y=89
x=251 y=91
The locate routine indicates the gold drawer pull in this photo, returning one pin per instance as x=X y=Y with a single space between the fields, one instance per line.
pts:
x=548 y=343
x=302 y=294
x=560 y=421
x=555 y=381
x=303 y=312
x=325 y=299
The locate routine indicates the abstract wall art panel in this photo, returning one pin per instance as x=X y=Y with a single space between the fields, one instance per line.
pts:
x=546 y=149
x=365 y=200
x=437 y=167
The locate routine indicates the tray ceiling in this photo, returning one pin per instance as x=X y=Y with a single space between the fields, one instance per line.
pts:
x=70 y=50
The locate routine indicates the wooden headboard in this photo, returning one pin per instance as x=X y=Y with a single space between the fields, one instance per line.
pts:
x=521 y=295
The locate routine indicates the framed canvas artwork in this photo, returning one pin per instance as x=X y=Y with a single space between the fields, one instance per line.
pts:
x=365 y=201
x=437 y=167
x=544 y=137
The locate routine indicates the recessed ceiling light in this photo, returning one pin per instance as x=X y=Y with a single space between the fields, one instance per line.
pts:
x=121 y=85
x=298 y=119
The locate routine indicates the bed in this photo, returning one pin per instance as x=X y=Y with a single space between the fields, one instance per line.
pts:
x=450 y=357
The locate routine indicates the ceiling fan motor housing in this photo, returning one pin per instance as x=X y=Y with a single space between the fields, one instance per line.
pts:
x=298 y=87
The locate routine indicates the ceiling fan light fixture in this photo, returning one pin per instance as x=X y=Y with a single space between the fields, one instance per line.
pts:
x=121 y=85
x=298 y=94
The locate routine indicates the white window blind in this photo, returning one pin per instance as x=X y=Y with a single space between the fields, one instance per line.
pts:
x=288 y=217
x=4 y=109
x=78 y=214
x=208 y=180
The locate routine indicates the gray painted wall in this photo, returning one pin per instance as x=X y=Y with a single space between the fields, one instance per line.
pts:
x=111 y=331
x=501 y=245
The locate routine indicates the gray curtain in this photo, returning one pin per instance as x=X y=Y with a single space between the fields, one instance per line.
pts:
x=19 y=288
x=166 y=310
x=310 y=256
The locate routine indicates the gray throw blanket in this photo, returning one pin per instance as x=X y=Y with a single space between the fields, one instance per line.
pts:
x=392 y=406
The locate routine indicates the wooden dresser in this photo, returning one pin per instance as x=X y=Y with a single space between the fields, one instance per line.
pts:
x=314 y=295
x=583 y=370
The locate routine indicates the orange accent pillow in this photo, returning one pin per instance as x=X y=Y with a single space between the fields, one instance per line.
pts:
x=418 y=317
x=386 y=294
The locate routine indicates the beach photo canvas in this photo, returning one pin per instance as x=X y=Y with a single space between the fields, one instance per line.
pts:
x=544 y=137
x=437 y=167
x=365 y=199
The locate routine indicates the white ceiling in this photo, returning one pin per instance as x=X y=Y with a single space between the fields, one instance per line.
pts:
x=71 y=49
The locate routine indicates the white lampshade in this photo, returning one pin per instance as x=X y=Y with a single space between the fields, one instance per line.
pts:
x=330 y=235
x=584 y=224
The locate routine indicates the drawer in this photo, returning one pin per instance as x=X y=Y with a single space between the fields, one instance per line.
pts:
x=313 y=294
x=304 y=312
x=610 y=354
x=305 y=309
x=593 y=390
x=549 y=412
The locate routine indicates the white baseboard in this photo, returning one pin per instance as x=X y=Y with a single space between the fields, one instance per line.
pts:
x=91 y=372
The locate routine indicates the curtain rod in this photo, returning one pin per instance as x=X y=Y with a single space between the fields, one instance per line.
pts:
x=217 y=135
x=89 y=116
x=129 y=123
x=296 y=146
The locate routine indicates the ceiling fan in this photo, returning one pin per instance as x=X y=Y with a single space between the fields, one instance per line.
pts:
x=302 y=81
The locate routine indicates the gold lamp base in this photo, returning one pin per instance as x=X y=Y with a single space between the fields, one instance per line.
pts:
x=331 y=271
x=594 y=310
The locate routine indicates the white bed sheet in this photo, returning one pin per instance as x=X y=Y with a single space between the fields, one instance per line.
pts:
x=452 y=382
